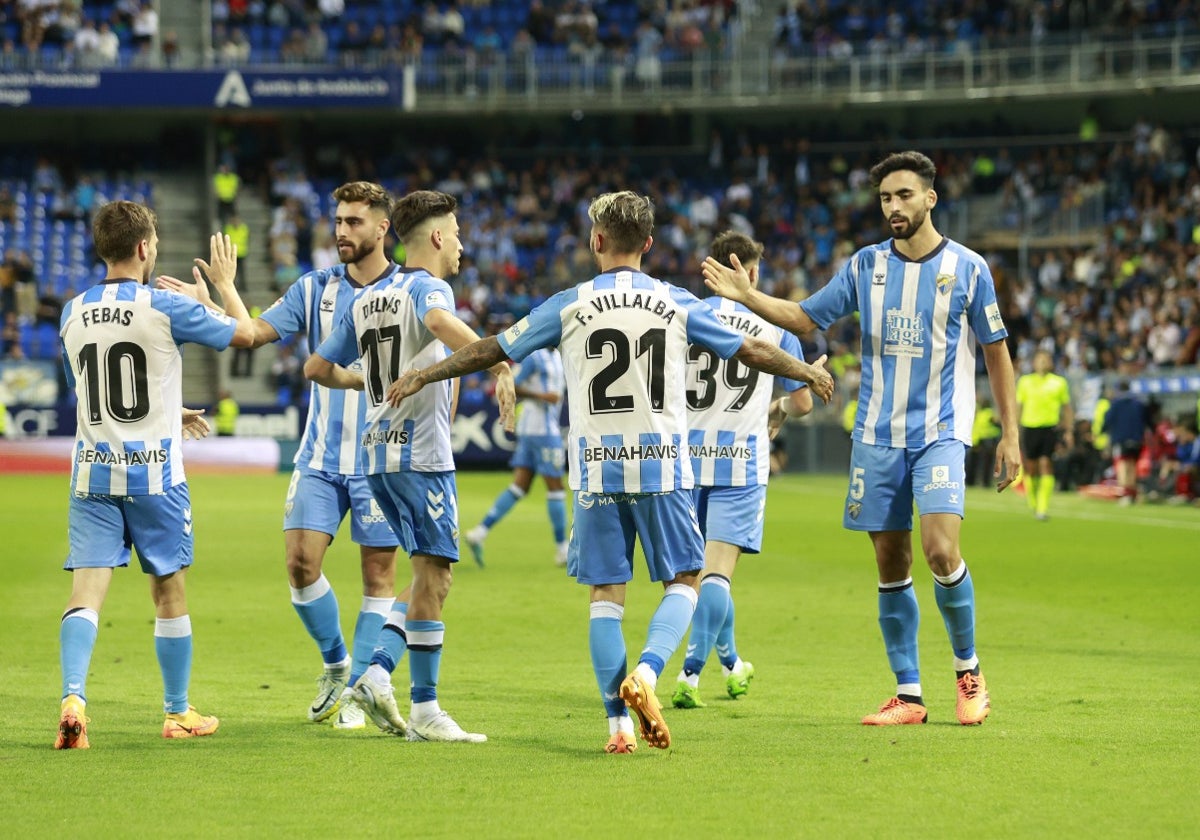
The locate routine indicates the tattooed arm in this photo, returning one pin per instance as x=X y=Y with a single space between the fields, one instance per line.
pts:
x=474 y=357
x=768 y=358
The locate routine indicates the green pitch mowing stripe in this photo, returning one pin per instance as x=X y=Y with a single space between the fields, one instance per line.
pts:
x=1089 y=635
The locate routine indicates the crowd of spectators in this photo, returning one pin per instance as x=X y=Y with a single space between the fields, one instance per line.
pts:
x=86 y=34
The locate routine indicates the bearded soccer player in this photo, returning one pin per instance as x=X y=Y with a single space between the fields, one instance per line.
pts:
x=623 y=336
x=328 y=481
x=120 y=348
x=920 y=297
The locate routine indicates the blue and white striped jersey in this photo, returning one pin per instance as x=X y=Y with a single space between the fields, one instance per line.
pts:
x=918 y=360
x=623 y=337
x=386 y=328
x=728 y=404
x=541 y=371
x=314 y=304
x=120 y=349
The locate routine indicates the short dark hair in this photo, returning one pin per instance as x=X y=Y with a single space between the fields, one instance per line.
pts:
x=118 y=227
x=373 y=195
x=418 y=206
x=910 y=161
x=625 y=217
x=733 y=242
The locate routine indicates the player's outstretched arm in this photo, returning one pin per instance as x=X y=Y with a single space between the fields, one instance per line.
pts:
x=455 y=334
x=768 y=358
x=1001 y=379
x=221 y=269
x=734 y=284
x=324 y=372
x=474 y=357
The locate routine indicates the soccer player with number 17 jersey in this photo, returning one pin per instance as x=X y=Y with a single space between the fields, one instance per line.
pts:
x=120 y=345
x=919 y=296
x=623 y=337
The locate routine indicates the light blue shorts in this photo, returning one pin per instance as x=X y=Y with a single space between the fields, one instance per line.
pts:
x=884 y=483
x=318 y=501
x=605 y=527
x=544 y=454
x=732 y=515
x=159 y=526
x=422 y=508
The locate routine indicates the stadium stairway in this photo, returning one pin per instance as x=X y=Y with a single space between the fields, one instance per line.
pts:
x=187 y=21
x=183 y=231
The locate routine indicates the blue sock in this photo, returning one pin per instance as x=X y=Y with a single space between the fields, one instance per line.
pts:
x=667 y=625
x=899 y=618
x=392 y=641
x=503 y=504
x=726 y=646
x=556 y=506
x=318 y=611
x=173 y=644
x=424 y=656
x=607 y=645
x=366 y=633
x=711 y=608
x=955 y=595
x=76 y=640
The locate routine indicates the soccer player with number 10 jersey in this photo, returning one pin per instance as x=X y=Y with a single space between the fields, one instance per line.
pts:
x=120 y=347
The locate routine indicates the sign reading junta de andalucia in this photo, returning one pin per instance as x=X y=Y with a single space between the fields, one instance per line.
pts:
x=203 y=89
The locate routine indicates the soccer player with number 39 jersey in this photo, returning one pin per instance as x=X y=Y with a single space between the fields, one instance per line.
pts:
x=919 y=296
x=120 y=344
x=729 y=406
x=623 y=336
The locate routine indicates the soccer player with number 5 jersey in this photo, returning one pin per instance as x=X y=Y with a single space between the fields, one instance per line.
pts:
x=623 y=336
x=120 y=346
x=920 y=297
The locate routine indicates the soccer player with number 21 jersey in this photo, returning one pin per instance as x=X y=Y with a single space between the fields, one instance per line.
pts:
x=623 y=336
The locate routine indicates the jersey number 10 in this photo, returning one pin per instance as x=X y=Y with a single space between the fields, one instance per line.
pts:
x=127 y=392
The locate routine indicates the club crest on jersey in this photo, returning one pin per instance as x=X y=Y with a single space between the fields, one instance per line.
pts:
x=945 y=283
x=854 y=509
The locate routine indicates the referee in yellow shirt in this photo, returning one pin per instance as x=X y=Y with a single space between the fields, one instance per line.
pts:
x=1045 y=400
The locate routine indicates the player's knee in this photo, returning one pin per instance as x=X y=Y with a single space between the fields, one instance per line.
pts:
x=942 y=556
x=303 y=567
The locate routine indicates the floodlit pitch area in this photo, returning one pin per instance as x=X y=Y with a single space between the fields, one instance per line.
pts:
x=1088 y=633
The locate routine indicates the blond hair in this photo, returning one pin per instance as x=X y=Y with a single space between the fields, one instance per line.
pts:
x=625 y=217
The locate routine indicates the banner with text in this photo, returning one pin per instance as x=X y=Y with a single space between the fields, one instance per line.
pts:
x=218 y=89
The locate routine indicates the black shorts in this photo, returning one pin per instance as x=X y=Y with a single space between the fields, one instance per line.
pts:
x=1127 y=450
x=1038 y=442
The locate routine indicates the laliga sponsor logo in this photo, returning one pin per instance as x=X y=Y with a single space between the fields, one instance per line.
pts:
x=940 y=480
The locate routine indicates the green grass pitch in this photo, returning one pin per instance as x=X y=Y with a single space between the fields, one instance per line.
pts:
x=1088 y=630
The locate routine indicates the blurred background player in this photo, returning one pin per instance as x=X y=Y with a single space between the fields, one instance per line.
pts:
x=1045 y=401
x=1127 y=425
x=728 y=436
x=406 y=322
x=540 y=384
x=623 y=336
x=328 y=481
x=917 y=295
x=120 y=349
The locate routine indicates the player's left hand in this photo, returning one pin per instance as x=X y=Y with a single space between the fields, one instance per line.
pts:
x=506 y=399
x=195 y=426
x=1008 y=462
x=408 y=384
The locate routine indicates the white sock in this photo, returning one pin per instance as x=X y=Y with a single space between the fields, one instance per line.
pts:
x=911 y=689
x=647 y=674
x=966 y=664
x=378 y=674
x=424 y=711
x=334 y=666
x=737 y=663
x=621 y=723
